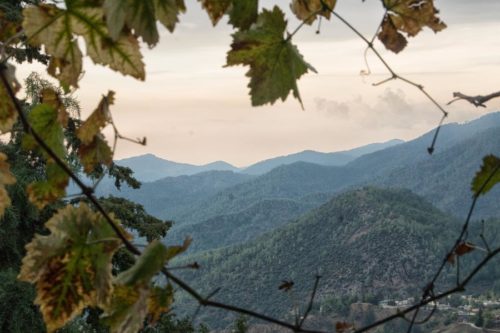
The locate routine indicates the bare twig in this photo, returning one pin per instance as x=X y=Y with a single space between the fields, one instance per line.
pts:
x=477 y=101
x=311 y=301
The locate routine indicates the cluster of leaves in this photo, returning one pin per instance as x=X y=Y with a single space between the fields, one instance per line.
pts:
x=72 y=266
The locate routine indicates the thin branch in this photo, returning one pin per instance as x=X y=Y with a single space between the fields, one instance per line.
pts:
x=477 y=101
x=394 y=75
x=311 y=300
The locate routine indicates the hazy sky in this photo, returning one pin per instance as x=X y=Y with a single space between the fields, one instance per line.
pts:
x=193 y=110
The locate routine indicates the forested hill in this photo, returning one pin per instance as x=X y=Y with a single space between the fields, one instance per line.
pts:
x=443 y=178
x=168 y=197
x=364 y=241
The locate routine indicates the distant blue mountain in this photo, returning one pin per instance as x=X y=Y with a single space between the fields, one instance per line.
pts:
x=311 y=156
x=149 y=167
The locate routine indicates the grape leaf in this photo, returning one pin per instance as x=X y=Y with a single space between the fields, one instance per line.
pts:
x=167 y=12
x=275 y=63
x=160 y=300
x=173 y=251
x=391 y=37
x=216 y=9
x=489 y=172
x=133 y=297
x=410 y=17
x=141 y=16
x=464 y=248
x=48 y=25
x=44 y=120
x=44 y=192
x=97 y=120
x=8 y=113
x=128 y=309
x=56 y=29
x=95 y=153
x=147 y=265
x=308 y=10
x=71 y=266
x=243 y=13
x=6 y=178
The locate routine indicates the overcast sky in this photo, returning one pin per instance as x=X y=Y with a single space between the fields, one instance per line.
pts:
x=193 y=110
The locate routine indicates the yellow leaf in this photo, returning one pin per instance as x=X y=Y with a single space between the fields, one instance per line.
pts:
x=52 y=27
x=97 y=120
x=6 y=178
x=308 y=10
x=71 y=266
x=410 y=17
x=44 y=192
x=8 y=112
x=128 y=309
x=57 y=30
x=215 y=9
x=95 y=153
x=160 y=300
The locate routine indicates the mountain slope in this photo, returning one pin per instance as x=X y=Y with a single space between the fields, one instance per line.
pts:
x=310 y=156
x=164 y=198
x=405 y=165
x=241 y=227
x=364 y=241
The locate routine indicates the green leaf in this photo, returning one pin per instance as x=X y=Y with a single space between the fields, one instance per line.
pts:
x=147 y=265
x=167 y=12
x=6 y=178
x=160 y=300
x=44 y=192
x=97 y=120
x=133 y=297
x=216 y=9
x=308 y=10
x=488 y=176
x=95 y=153
x=275 y=63
x=173 y=251
x=243 y=13
x=45 y=121
x=71 y=267
x=410 y=17
x=141 y=16
x=128 y=309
